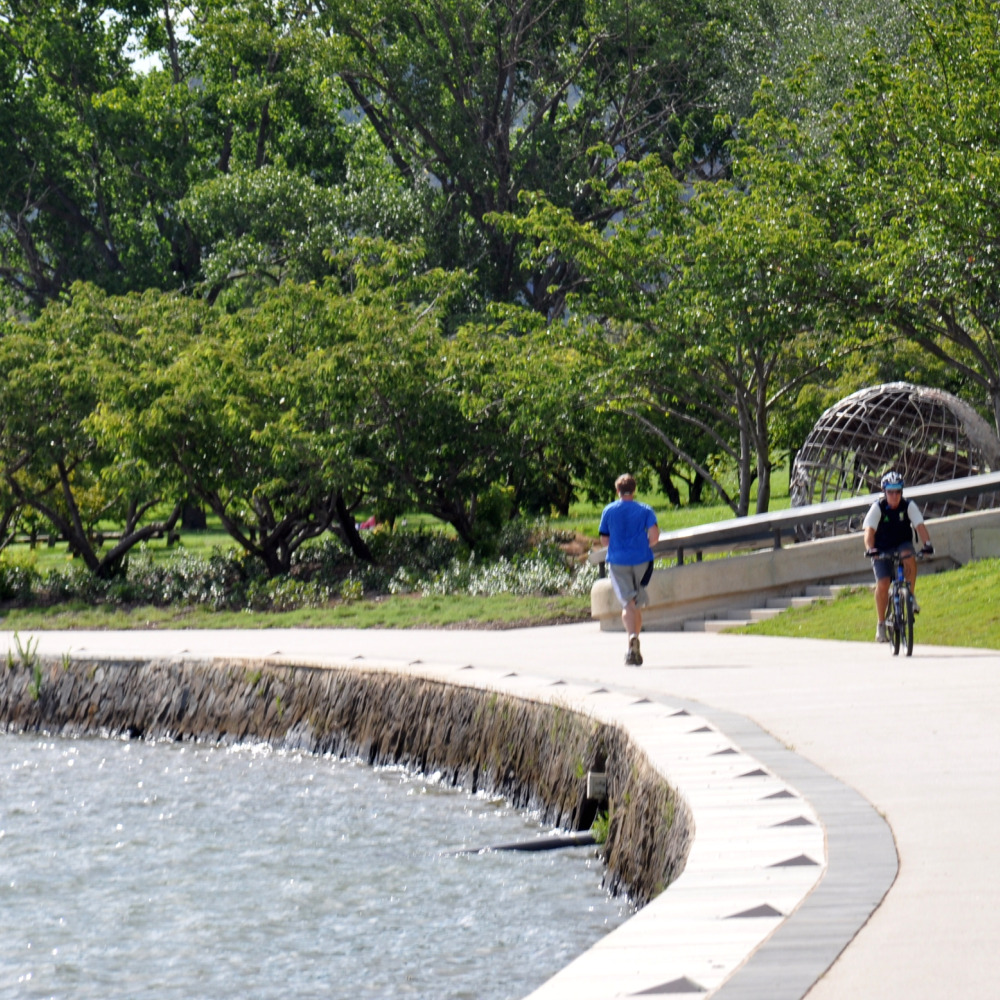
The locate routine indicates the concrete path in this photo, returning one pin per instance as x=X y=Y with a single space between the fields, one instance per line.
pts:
x=918 y=738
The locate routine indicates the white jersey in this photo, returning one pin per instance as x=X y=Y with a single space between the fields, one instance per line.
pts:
x=874 y=513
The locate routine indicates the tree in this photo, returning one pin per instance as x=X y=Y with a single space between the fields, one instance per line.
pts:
x=772 y=41
x=430 y=410
x=900 y=176
x=53 y=371
x=260 y=227
x=711 y=300
x=917 y=150
x=94 y=156
x=230 y=162
x=493 y=99
x=250 y=416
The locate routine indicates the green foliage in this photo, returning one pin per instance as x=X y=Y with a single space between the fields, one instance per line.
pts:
x=35 y=684
x=498 y=99
x=601 y=826
x=18 y=578
x=340 y=257
x=897 y=182
x=351 y=590
x=251 y=136
x=538 y=572
x=774 y=40
x=26 y=657
x=919 y=143
x=57 y=374
x=710 y=313
x=408 y=562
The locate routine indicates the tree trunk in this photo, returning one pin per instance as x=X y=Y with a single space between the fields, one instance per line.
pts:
x=350 y=531
x=743 y=470
x=696 y=488
x=193 y=516
x=763 y=441
x=664 y=472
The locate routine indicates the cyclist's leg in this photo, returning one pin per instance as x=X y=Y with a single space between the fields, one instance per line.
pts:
x=882 y=570
x=909 y=565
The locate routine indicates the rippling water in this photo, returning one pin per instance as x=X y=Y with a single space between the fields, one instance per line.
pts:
x=132 y=869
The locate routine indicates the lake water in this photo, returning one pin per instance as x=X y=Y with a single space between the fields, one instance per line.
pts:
x=162 y=870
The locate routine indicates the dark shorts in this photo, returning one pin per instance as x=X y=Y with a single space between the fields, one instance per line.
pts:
x=883 y=567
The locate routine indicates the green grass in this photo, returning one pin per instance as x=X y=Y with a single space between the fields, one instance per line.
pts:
x=959 y=608
x=45 y=558
x=409 y=611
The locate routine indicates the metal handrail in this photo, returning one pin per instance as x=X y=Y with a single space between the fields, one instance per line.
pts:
x=751 y=531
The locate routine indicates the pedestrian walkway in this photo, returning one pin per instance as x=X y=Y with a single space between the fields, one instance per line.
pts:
x=844 y=725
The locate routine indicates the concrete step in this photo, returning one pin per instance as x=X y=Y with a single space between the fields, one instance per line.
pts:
x=784 y=603
x=825 y=590
x=713 y=624
x=753 y=614
x=761 y=614
x=734 y=617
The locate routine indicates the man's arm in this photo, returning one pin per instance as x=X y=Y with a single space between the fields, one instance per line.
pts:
x=917 y=520
x=653 y=534
x=870 y=523
x=605 y=539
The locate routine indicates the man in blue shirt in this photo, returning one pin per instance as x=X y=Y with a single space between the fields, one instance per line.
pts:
x=629 y=530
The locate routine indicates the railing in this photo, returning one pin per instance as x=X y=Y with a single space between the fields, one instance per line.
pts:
x=771 y=530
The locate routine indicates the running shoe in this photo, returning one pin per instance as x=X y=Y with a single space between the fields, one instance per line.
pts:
x=633 y=651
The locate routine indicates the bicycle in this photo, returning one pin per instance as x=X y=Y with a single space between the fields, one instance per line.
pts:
x=899 y=613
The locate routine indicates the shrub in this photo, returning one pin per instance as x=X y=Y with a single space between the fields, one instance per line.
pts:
x=407 y=561
x=18 y=579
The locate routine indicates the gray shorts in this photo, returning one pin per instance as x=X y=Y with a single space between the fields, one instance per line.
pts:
x=627 y=583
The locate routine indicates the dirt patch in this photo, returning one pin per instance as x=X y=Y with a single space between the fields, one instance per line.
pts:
x=576 y=546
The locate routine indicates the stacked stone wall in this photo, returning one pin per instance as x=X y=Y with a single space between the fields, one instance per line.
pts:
x=535 y=754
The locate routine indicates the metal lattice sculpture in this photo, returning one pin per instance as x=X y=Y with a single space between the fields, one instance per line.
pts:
x=928 y=435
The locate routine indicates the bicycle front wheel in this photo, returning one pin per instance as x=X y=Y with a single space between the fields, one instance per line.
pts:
x=895 y=621
x=908 y=605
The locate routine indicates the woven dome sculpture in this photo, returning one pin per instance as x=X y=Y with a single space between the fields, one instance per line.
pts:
x=928 y=435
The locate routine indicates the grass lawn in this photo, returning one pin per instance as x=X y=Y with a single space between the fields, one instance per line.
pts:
x=959 y=608
x=409 y=611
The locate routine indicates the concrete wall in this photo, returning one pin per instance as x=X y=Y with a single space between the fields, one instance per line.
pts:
x=744 y=581
x=534 y=754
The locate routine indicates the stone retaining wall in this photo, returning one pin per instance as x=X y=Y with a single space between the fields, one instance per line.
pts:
x=534 y=754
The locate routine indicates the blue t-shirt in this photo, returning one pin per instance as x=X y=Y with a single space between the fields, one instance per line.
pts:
x=626 y=523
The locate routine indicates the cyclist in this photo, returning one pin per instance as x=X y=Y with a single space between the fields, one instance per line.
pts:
x=888 y=528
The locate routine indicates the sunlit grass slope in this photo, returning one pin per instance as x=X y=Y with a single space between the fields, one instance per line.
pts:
x=959 y=608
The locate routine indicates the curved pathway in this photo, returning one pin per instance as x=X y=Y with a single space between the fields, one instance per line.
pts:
x=918 y=739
